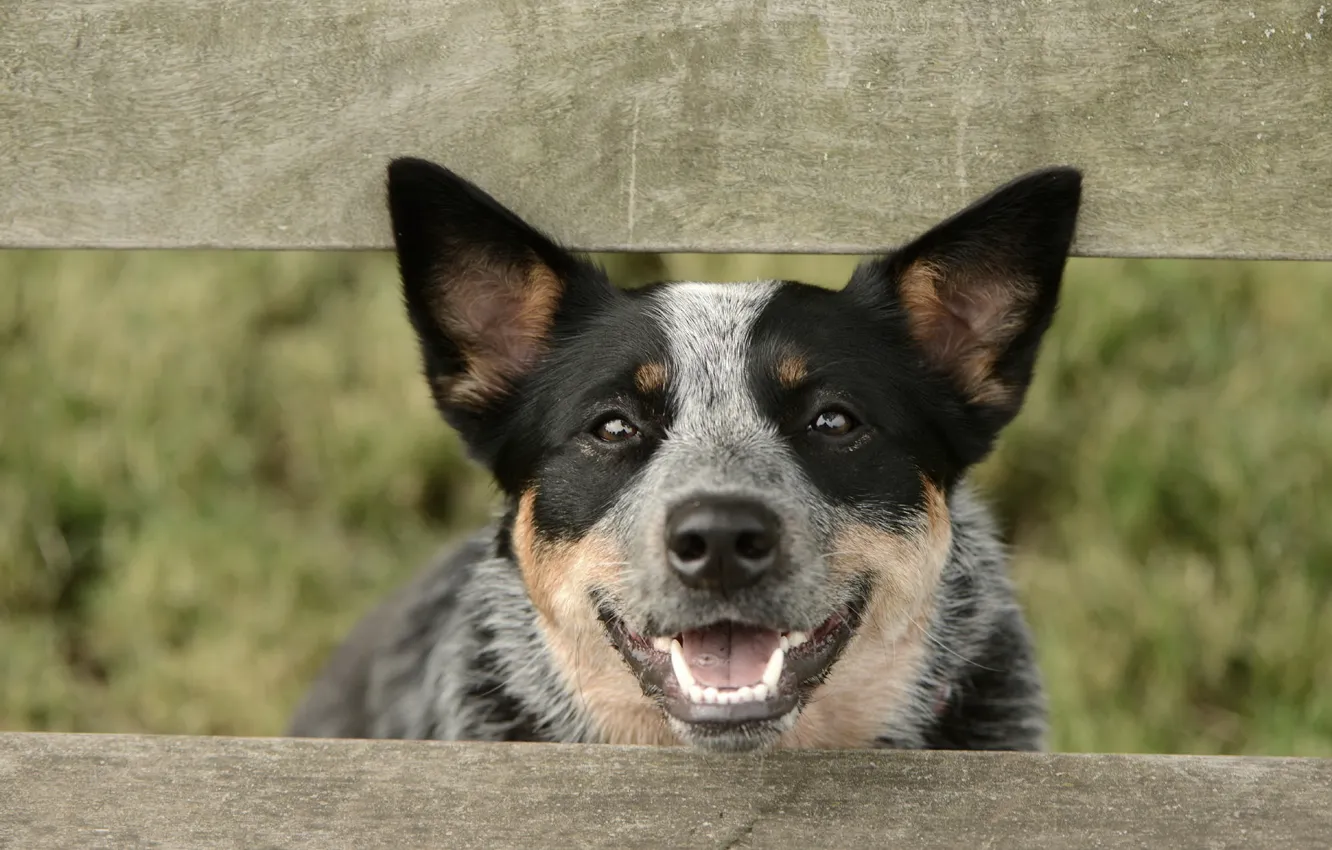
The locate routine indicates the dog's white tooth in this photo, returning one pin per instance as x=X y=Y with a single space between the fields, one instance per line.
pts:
x=695 y=693
x=745 y=694
x=784 y=643
x=798 y=638
x=662 y=644
x=760 y=692
x=682 y=674
x=711 y=695
x=772 y=674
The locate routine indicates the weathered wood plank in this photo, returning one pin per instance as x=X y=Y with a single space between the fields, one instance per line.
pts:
x=784 y=125
x=125 y=791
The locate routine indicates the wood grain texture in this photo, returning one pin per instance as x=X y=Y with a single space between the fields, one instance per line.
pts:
x=1205 y=128
x=126 y=791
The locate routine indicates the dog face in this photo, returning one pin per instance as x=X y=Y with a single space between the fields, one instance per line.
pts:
x=729 y=501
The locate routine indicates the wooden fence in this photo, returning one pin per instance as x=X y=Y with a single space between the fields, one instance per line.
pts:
x=1204 y=129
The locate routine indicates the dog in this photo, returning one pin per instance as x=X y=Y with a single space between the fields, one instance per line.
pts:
x=736 y=516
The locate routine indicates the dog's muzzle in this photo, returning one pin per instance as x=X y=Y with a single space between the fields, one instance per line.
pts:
x=742 y=672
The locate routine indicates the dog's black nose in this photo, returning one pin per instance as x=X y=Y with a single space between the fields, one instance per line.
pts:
x=722 y=544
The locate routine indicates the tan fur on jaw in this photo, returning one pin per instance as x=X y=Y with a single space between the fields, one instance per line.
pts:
x=866 y=689
x=559 y=576
x=872 y=681
x=964 y=325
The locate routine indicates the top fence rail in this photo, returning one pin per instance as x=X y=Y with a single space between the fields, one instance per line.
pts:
x=846 y=126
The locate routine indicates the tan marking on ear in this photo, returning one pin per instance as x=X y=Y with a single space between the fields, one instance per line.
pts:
x=791 y=371
x=875 y=678
x=499 y=316
x=650 y=378
x=560 y=576
x=964 y=327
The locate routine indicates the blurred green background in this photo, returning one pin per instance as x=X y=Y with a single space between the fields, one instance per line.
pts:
x=212 y=463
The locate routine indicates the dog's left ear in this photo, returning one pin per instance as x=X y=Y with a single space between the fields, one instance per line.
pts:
x=978 y=291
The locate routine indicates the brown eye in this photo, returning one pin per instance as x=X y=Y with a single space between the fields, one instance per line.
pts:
x=833 y=423
x=615 y=430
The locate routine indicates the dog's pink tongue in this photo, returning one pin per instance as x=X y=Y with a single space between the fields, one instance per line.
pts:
x=728 y=655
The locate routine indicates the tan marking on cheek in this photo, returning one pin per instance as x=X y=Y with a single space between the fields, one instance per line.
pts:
x=541 y=573
x=791 y=371
x=650 y=378
x=937 y=515
x=872 y=682
x=560 y=576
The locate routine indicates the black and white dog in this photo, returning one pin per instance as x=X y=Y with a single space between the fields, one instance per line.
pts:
x=736 y=514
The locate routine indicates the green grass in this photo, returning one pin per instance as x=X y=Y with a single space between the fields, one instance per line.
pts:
x=211 y=464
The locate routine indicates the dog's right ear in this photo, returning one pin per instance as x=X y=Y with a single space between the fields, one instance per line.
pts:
x=484 y=290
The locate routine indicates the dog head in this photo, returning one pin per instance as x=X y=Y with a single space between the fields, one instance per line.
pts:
x=728 y=499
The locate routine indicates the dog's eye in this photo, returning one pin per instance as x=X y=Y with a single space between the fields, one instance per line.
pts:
x=833 y=423
x=615 y=429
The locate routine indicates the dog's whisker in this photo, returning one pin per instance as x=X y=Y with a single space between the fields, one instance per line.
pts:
x=578 y=674
x=493 y=690
x=946 y=648
x=600 y=564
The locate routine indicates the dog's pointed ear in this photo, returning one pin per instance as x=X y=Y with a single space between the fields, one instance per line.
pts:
x=484 y=290
x=978 y=291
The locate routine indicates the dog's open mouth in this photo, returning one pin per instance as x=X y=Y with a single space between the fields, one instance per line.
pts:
x=729 y=674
